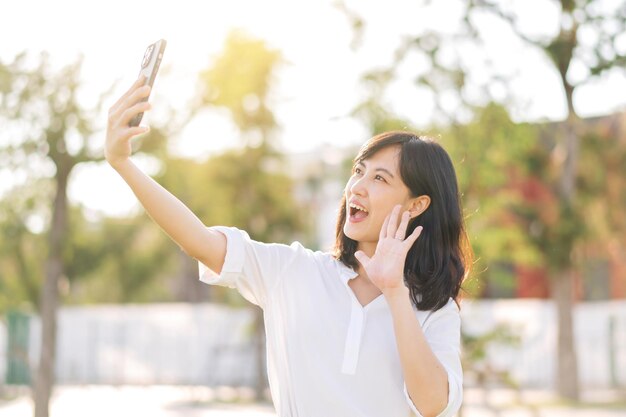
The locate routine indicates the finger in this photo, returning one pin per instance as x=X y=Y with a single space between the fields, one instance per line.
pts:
x=142 y=106
x=383 y=230
x=134 y=131
x=140 y=94
x=393 y=221
x=413 y=237
x=361 y=257
x=401 y=232
x=138 y=83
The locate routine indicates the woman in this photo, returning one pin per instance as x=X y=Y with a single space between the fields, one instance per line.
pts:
x=370 y=330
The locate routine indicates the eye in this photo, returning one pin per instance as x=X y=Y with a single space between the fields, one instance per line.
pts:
x=378 y=176
x=357 y=170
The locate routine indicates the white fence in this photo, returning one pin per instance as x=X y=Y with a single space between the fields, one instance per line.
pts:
x=203 y=344
x=211 y=344
x=599 y=333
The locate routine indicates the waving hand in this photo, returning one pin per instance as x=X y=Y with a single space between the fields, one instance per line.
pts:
x=386 y=267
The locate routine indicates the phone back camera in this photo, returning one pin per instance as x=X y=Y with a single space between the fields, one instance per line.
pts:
x=147 y=56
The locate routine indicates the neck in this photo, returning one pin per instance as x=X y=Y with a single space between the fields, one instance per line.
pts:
x=369 y=248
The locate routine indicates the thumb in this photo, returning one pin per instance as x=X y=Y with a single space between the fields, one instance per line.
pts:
x=361 y=257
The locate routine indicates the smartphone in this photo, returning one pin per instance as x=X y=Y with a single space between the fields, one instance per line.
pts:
x=149 y=67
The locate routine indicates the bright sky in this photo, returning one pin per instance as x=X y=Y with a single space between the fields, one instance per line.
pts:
x=317 y=89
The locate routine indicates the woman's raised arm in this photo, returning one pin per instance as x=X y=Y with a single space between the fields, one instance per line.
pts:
x=180 y=223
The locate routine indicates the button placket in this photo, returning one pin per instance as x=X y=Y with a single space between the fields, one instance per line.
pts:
x=353 y=339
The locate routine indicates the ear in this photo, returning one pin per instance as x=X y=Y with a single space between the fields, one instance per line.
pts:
x=419 y=205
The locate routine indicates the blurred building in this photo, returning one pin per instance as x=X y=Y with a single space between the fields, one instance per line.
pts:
x=320 y=176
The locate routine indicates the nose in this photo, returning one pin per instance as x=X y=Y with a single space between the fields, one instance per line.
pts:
x=357 y=187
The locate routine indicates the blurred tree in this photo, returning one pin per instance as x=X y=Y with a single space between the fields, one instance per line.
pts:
x=246 y=187
x=584 y=44
x=21 y=248
x=46 y=134
x=477 y=365
x=45 y=127
x=602 y=188
x=117 y=260
x=491 y=152
x=240 y=80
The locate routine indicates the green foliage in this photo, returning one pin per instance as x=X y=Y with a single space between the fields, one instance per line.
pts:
x=475 y=347
x=23 y=210
x=118 y=260
x=601 y=181
x=42 y=139
x=378 y=119
x=47 y=133
x=245 y=187
x=507 y=174
x=122 y=260
x=492 y=156
x=475 y=357
x=515 y=180
x=238 y=188
x=240 y=80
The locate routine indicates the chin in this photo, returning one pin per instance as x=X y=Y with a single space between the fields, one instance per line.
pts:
x=350 y=233
x=347 y=232
x=355 y=235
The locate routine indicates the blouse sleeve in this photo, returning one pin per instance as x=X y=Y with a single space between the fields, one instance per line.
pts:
x=252 y=268
x=443 y=333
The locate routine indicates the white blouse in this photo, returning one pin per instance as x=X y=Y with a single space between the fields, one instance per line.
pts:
x=327 y=355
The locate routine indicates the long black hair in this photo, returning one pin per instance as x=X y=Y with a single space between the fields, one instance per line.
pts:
x=441 y=257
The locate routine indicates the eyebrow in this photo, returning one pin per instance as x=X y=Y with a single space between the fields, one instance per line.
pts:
x=386 y=171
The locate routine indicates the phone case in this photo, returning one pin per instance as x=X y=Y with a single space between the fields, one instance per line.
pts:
x=149 y=67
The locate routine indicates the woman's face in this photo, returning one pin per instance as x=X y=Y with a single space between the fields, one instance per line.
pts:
x=376 y=186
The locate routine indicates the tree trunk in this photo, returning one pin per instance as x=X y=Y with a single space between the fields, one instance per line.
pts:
x=567 y=367
x=54 y=270
x=563 y=282
x=190 y=288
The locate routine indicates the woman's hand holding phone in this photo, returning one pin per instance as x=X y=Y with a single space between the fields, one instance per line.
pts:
x=117 y=147
x=127 y=112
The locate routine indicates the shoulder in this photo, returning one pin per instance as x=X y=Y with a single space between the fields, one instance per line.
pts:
x=442 y=327
x=323 y=259
x=449 y=314
x=294 y=255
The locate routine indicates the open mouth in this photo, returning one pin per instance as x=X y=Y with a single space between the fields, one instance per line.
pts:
x=357 y=212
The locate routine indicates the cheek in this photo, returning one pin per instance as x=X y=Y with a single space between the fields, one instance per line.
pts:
x=385 y=205
x=351 y=181
x=383 y=201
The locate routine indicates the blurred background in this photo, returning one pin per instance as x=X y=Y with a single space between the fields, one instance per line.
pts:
x=259 y=108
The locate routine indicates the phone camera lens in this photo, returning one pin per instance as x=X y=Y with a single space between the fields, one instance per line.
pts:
x=147 y=56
